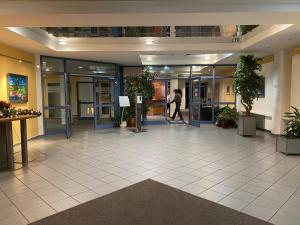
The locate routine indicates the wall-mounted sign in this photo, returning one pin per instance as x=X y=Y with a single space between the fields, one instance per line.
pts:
x=124 y=101
x=17 y=88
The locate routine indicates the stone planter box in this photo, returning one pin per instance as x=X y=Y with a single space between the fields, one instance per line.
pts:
x=288 y=145
x=247 y=125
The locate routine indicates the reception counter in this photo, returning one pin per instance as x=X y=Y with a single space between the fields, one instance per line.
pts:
x=6 y=141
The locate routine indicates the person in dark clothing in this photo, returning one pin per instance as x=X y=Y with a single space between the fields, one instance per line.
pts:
x=177 y=100
x=168 y=103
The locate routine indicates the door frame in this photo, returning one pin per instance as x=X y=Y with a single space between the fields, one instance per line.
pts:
x=165 y=120
x=65 y=106
x=99 y=106
x=81 y=103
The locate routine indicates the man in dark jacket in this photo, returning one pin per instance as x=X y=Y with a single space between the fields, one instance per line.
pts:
x=177 y=100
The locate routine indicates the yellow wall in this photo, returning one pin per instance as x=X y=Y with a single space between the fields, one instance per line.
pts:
x=9 y=65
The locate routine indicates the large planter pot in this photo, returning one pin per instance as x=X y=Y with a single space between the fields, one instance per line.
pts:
x=247 y=125
x=131 y=122
x=288 y=145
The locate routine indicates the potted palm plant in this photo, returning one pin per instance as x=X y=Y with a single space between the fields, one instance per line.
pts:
x=290 y=142
x=141 y=84
x=247 y=84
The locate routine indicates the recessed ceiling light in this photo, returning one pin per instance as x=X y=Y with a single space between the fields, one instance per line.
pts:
x=149 y=58
x=149 y=42
x=62 y=42
x=80 y=67
x=20 y=61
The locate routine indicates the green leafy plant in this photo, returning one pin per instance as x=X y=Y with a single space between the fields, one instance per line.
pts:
x=140 y=85
x=7 y=111
x=247 y=82
x=293 y=125
x=226 y=117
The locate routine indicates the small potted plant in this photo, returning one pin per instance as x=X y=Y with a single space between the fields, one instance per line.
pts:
x=226 y=117
x=290 y=142
x=247 y=84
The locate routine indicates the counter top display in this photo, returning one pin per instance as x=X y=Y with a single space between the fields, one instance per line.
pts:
x=7 y=116
x=25 y=117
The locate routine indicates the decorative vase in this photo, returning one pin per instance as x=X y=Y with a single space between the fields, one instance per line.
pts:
x=131 y=122
x=123 y=124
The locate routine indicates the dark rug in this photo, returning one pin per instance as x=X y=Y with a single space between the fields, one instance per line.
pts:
x=150 y=202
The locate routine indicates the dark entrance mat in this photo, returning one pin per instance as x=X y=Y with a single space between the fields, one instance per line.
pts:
x=150 y=202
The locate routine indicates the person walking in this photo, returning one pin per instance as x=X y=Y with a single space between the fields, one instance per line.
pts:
x=177 y=100
x=168 y=104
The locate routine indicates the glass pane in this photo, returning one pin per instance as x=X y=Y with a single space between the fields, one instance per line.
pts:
x=157 y=104
x=206 y=90
x=225 y=71
x=205 y=112
x=195 y=112
x=105 y=92
x=85 y=92
x=171 y=72
x=105 y=115
x=54 y=92
x=52 y=65
x=202 y=70
x=224 y=90
x=92 y=68
x=86 y=110
x=195 y=90
x=55 y=119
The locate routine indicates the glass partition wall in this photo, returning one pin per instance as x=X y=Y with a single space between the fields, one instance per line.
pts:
x=205 y=89
x=76 y=90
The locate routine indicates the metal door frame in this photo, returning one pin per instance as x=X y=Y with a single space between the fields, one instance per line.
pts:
x=99 y=106
x=82 y=103
x=65 y=106
x=164 y=104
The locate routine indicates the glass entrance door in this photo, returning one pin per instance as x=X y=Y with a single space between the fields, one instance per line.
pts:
x=104 y=102
x=157 y=112
x=206 y=99
x=57 y=111
x=195 y=101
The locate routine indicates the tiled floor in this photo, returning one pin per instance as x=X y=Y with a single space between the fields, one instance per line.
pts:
x=245 y=174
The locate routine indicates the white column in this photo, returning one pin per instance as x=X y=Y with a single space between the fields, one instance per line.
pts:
x=295 y=90
x=282 y=87
x=39 y=94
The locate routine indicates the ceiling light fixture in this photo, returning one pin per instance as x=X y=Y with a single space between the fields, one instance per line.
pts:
x=149 y=42
x=20 y=61
x=149 y=58
x=80 y=67
x=207 y=57
x=62 y=42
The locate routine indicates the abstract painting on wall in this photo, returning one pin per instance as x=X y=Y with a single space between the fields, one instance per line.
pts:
x=17 y=88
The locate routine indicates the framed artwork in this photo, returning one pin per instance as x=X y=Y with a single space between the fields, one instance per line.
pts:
x=17 y=88
x=227 y=90
x=261 y=90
